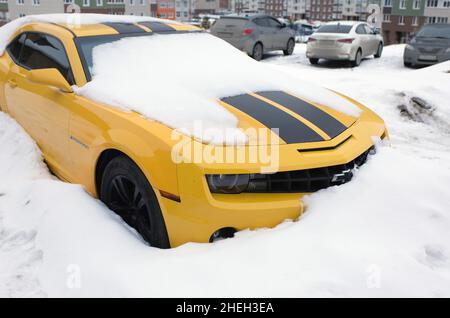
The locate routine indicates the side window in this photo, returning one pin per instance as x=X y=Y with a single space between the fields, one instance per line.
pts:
x=360 y=29
x=261 y=22
x=14 y=49
x=273 y=23
x=44 y=51
x=368 y=29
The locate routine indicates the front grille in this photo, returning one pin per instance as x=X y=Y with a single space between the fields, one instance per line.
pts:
x=429 y=50
x=306 y=181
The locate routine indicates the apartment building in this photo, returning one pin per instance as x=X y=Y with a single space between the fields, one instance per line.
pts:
x=296 y=9
x=437 y=11
x=276 y=8
x=20 y=8
x=323 y=9
x=141 y=7
x=4 y=12
x=98 y=6
x=247 y=6
x=212 y=6
x=401 y=19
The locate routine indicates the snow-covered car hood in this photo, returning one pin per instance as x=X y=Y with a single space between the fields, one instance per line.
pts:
x=133 y=74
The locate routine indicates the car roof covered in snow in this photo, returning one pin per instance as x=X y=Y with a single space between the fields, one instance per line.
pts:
x=112 y=28
x=344 y=22
x=87 y=24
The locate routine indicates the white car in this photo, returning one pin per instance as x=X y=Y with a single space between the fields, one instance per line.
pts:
x=344 y=40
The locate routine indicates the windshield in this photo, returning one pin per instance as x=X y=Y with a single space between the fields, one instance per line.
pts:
x=435 y=31
x=86 y=47
x=335 y=28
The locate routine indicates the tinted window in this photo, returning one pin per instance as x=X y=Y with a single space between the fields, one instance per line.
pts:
x=369 y=30
x=230 y=22
x=334 y=28
x=15 y=47
x=360 y=29
x=273 y=23
x=435 y=31
x=261 y=22
x=44 y=51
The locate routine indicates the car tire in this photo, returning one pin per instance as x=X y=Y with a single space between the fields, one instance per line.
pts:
x=289 y=47
x=313 y=61
x=126 y=191
x=358 y=57
x=258 y=51
x=379 y=51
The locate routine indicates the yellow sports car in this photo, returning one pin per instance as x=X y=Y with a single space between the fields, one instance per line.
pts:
x=128 y=161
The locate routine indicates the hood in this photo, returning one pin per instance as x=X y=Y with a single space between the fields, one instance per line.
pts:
x=292 y=119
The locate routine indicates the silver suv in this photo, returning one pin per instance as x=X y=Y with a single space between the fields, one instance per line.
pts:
x=255 y=34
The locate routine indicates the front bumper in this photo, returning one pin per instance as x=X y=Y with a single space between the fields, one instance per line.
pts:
x=201 y=213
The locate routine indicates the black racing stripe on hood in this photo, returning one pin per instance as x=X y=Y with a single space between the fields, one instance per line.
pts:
x=327 y=123
x=124 y=28
x=291 y=130
x=158 y=27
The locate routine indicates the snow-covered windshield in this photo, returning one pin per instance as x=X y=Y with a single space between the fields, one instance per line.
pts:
x=86 y=46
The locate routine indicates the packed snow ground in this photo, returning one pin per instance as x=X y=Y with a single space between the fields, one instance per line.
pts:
x=387 y=233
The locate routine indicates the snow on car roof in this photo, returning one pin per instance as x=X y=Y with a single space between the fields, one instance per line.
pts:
x=73 y=20
x=343 y=22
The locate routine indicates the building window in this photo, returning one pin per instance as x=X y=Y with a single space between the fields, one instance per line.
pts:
x=388 y=3
x=432 y=3
x=387 y=18
x=414 y=21
x=402 y=4
x=401 y=20
x=416 y=5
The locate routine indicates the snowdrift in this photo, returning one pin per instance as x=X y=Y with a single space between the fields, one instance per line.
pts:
x=386 y=233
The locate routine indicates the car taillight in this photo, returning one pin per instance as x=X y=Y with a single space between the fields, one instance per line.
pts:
x=247 y=31
x=346 y=40
x=312 y=40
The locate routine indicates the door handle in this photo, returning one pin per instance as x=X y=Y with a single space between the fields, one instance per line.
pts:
x=12 y=83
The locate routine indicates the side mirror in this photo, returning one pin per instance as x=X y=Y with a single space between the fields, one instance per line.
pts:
x=376 y=31
x=283 y=25
x=51 y=77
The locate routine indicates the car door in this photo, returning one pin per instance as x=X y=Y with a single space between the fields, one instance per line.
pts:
x=42 y=110
x=363 y=39
x=280 y=35
x=372 y=39
x=265 y=32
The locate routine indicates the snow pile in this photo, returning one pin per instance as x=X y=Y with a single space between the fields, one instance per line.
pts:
x=384 y=234
x=161 y=81
x=8 y=29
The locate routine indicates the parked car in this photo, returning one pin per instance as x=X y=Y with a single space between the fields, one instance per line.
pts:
x=126 y=160
x=302 y=31
x=344 y=40
x=431 y=45
x=256 y=35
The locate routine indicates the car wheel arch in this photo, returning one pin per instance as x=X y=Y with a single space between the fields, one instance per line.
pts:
x=105 y=156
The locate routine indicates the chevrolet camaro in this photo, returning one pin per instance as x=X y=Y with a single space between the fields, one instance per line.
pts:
x=126 y=160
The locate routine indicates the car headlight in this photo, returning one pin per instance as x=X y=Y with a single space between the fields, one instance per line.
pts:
x=228 y=183
x=447 y=50
x=410 y=47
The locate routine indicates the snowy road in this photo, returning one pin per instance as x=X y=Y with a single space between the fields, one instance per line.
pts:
x=387 y=233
